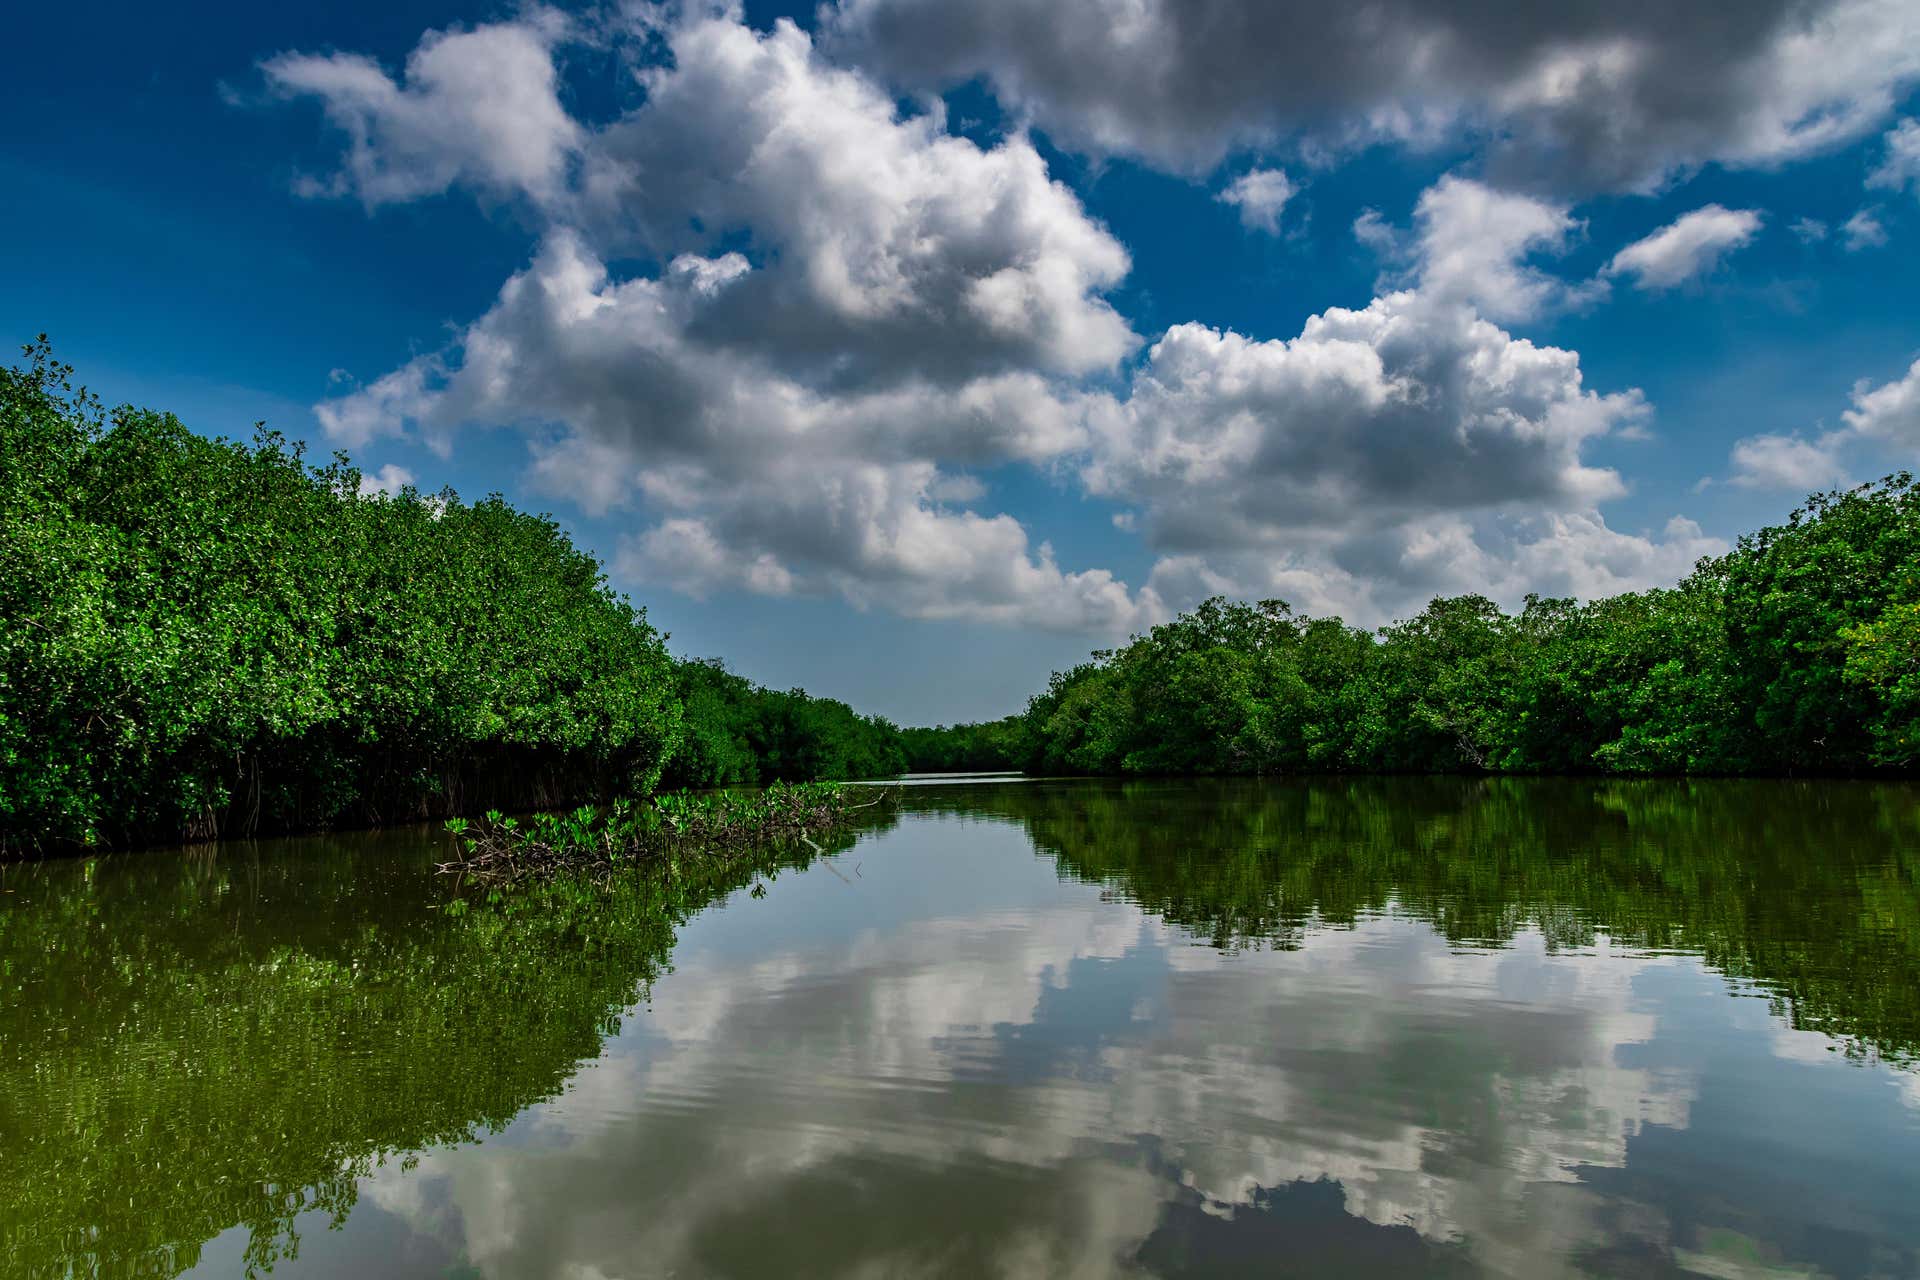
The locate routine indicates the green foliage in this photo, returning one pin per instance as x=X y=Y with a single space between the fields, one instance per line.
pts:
x=1798 y=651
x=736 y=731
x=965 y=748
x=1792 y=593
x=716 y=824
x=202 y=638
x=1884 y=656
x=199 y=637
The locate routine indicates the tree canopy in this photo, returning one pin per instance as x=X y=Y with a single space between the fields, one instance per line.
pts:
x=1796 y=652
x=200 y=637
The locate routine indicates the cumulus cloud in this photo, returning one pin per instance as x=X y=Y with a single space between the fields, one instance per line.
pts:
x=1590 y=93
x=765 y=484
x=1413 y=399
x=1889 y=413
x=1472 y=241
x=1692 y=245
x=885 y=243
x=686 y=555
x=380 y=408
x=856 y=310
x=1383 y=455
x=1884 y=418
x=1260 y=195
x=478 y=107
x=879 y=537
x=1901 y=166
x=793 y=414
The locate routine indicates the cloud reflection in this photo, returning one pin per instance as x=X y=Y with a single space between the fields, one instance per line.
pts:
x=1060 y=1089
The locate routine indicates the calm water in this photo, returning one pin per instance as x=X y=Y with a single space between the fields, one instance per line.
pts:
x=1416 y=1027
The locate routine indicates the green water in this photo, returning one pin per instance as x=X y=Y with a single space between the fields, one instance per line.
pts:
x=1342 y=1028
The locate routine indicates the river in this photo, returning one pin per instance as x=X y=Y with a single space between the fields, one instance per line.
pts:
x=1022 y=1028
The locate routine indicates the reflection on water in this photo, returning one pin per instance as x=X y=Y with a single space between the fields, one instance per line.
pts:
x=1402 y=1027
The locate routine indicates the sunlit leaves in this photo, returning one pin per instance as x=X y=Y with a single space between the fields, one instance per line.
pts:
x=199 y=637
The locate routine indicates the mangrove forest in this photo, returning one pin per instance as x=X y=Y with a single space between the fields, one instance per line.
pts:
x=203 y=638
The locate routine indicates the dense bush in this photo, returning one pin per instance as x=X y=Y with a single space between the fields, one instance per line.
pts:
x=1798 y=651
x=736 y=731
x=202 y=638
x=199 y=637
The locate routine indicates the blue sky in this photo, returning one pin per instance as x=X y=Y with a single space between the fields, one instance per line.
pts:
x=909 y=353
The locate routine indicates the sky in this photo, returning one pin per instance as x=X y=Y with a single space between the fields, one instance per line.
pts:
x=906 y=350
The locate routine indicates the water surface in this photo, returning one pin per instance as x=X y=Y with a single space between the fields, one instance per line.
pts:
x=1421 y=1027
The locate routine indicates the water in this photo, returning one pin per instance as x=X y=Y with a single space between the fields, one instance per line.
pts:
x=1404 y=1027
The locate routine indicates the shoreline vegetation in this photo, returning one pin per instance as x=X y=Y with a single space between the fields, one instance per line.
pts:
x=1796 y=653
x=203 y=639
x=628 y=833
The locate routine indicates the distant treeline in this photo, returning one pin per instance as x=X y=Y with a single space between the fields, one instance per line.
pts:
x=1797 y=652
x=733 y=730
x=203 y=638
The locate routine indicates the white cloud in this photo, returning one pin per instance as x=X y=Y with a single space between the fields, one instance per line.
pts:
x=1588 y=93
x=1692 y=245
x=1863 y=231
x=1372 y=229
x=1901 y=167
x=1411 y=399
x=764 y=484
x=886 y=244
x=790 y=416
x=380 y=408
x=685 y=554
x=928 y=254
x=877 y=537
x=1786 y=462
x=1884 y=418
x=857 y=310
x=1471 y=242
x=1260 y=195
x=1889 y=413
x=478 y=107
x=1382 y=456
x=388 y=480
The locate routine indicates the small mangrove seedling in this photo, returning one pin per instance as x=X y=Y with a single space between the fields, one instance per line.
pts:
x=656 y=829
